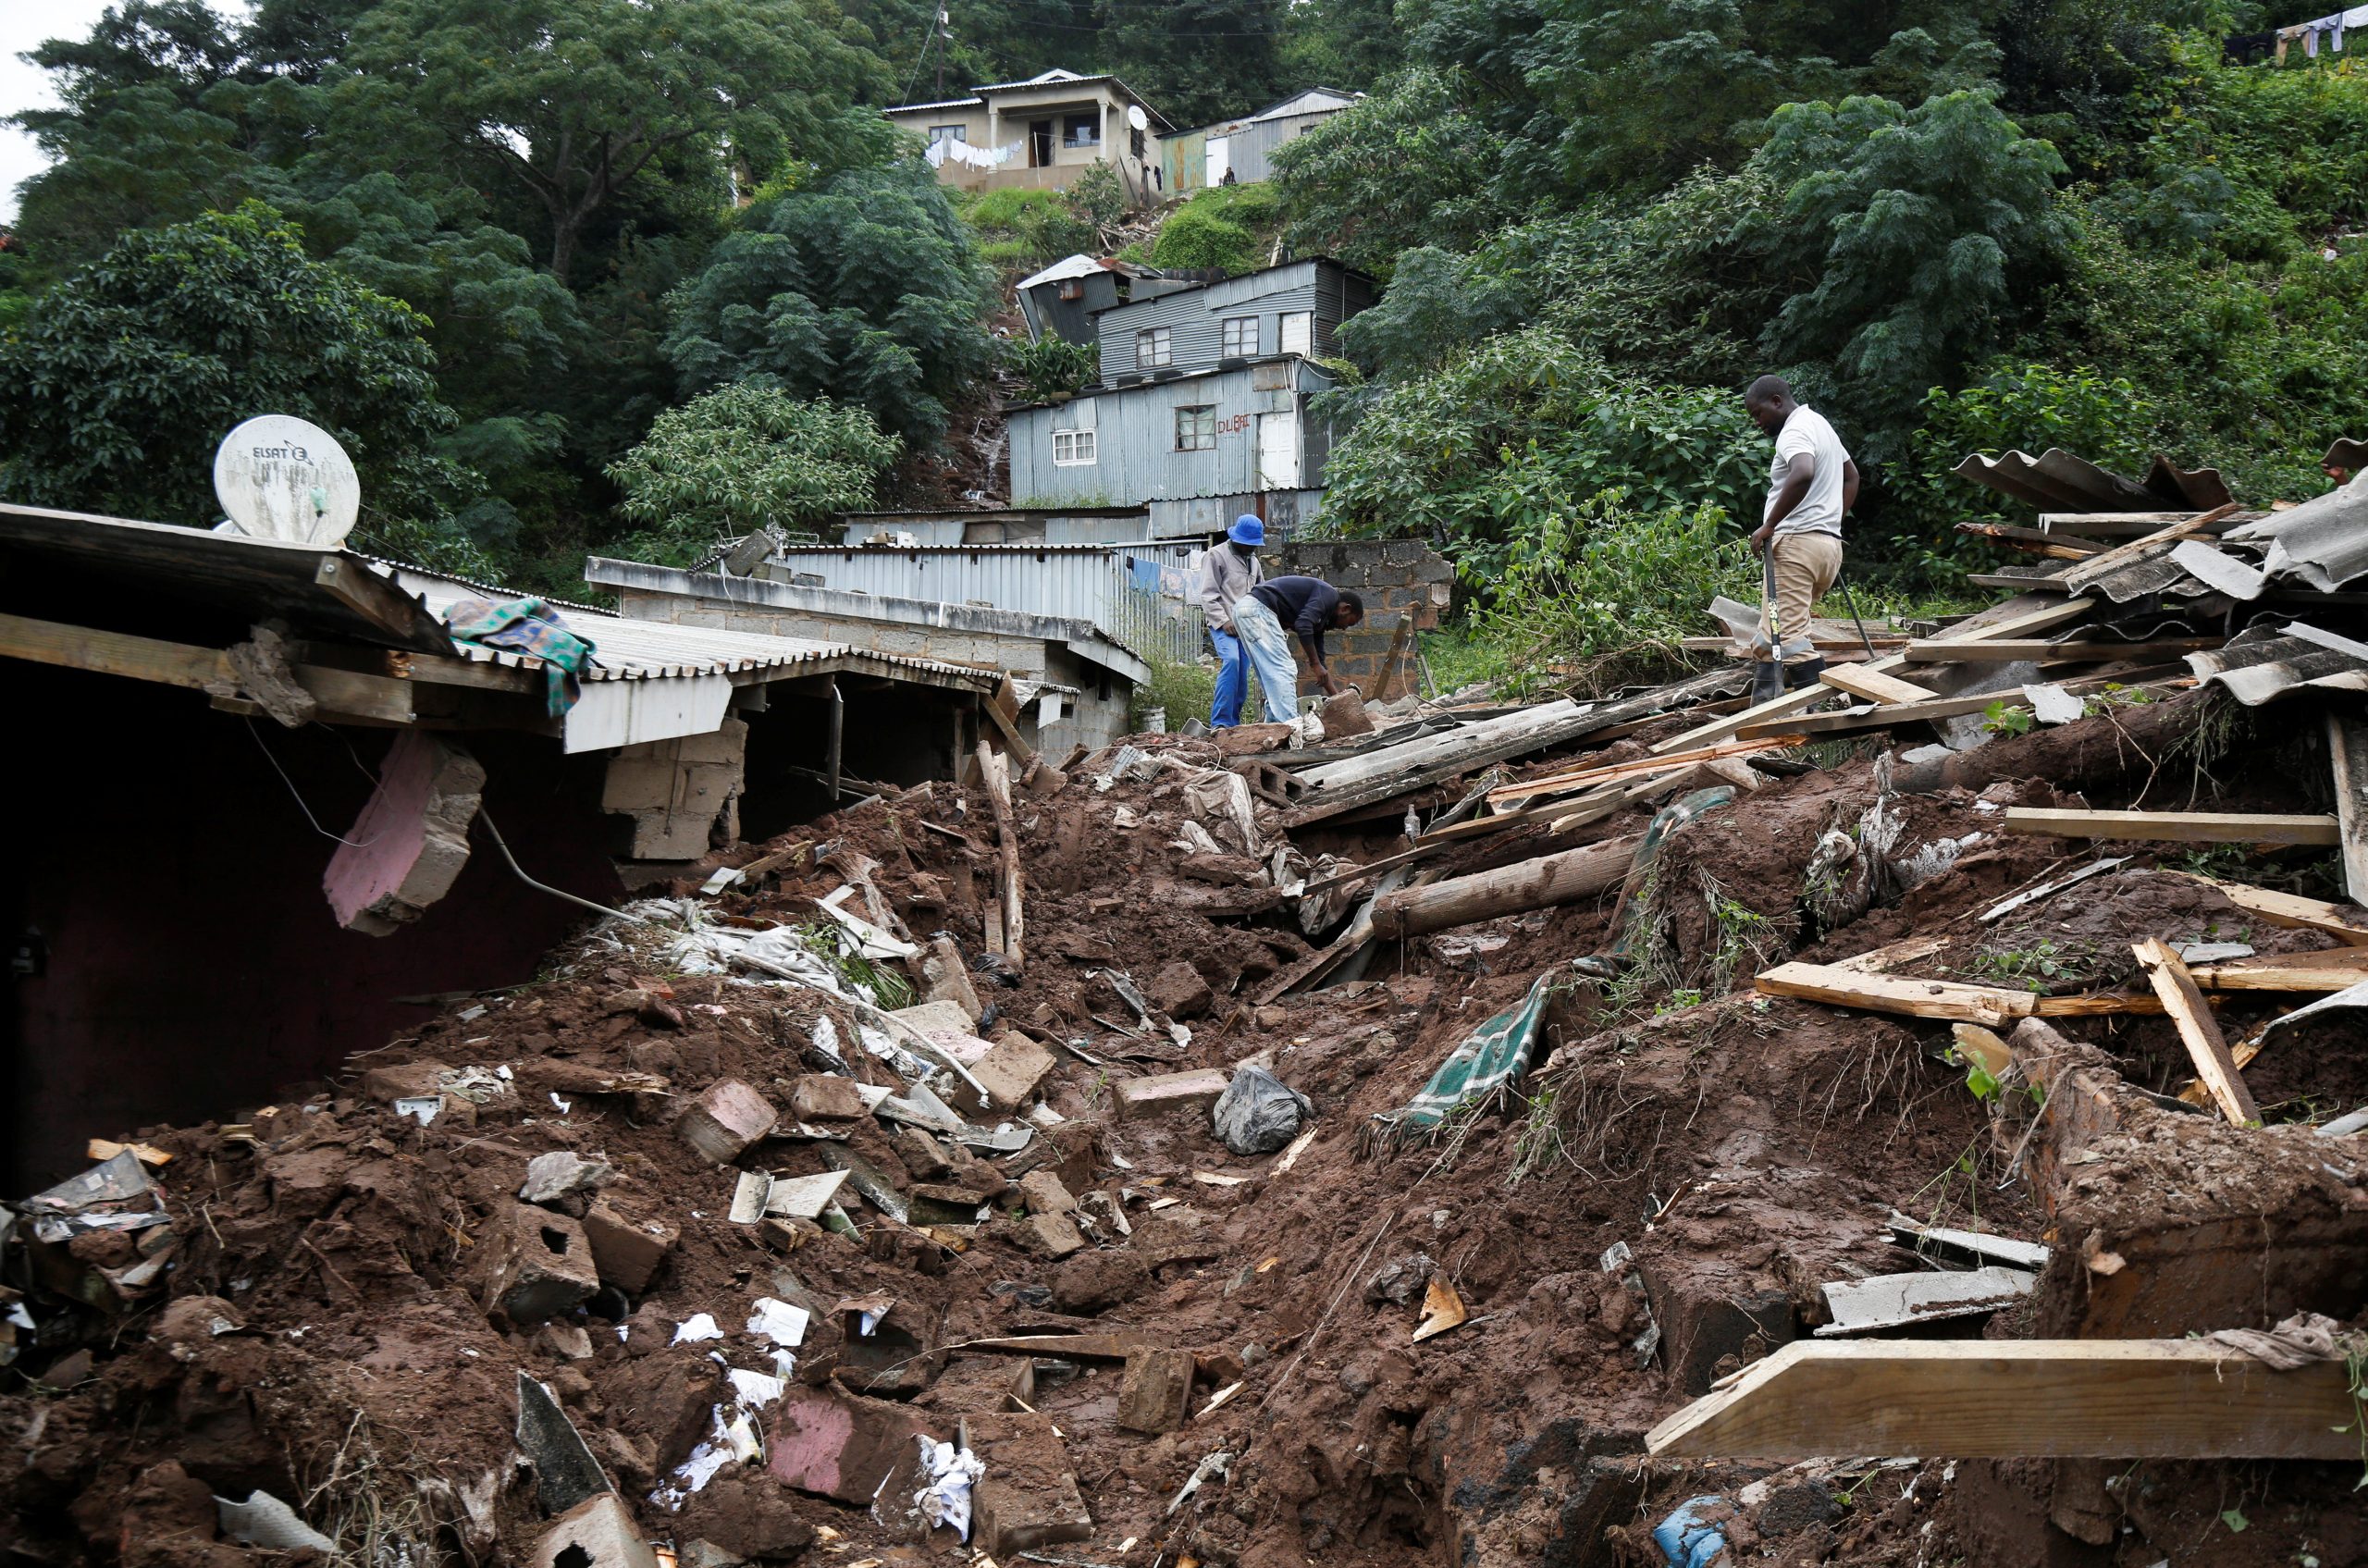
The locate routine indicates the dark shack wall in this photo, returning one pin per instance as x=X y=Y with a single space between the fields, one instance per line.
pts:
x=165 y=890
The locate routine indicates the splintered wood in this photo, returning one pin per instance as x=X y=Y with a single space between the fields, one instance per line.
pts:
x=2197 y=1031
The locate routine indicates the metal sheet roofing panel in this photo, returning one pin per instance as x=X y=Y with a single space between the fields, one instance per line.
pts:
x=2322 y=543
x=2057 y=480
x=2264 y=663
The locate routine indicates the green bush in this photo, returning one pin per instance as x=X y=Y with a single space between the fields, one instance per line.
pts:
x=1050 y=367
x=1230 y=226
x=1021 y=230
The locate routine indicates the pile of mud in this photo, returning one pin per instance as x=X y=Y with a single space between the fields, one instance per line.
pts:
x=354 y=1278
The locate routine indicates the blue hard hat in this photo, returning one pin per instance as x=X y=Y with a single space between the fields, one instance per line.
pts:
x=1247 y=530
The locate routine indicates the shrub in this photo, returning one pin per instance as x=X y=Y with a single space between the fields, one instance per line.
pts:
x=1050 y=367
x=1228 y=226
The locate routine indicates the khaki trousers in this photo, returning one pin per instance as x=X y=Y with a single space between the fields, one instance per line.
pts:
x=1807 y=567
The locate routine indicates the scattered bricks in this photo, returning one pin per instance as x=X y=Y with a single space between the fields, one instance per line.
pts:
x=555 y=1175
x=1027 y=1497
x=545 y=1265
x=937 y=1015
x=836 y=1445
x=1052 y=1235
x=1192 y=1095
x=1044 y=1194
x=412 y=1080
x=946 y=978
x=825 y=1096
x=1345 y=715
x=626 y=1252
x=922 y=1153
x=726 y=1121
x=1012 y=1071
x=1179 y=990
x=1155 y=1390
x=670 y=1395
x=596 y=1533
x=1248 y=740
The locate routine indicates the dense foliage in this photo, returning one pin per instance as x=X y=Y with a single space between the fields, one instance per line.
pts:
x=743 y=457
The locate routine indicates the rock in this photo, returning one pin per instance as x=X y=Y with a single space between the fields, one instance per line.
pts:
x=1090 y=1281
x=1248 y=740
x=1189 y=1093
x=1029 y=1496
x=1054 y=1235
x=825 y=1096
x=1155 y=1391
x=1179 y=990
x=560 y=1172
x=1401 y=1279
x=543 y=1265
x=671 y=1395
x=191 y=1323
x=726 y=1121
x=946 y=978
x=1044 y=1194
x=1012 y=1071
x=407 y=1081
x=747 y=1515
x=626 y=1252
x=836 y=1445
x=1345 y=715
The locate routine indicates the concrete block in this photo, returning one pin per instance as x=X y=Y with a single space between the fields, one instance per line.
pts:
x=836 y=1445
x=1179 y=990
x=543 y=1264
x=936 y=1017
x=726 y=1121
x=1155 y=1390
x=1192 y=1093
x=596 y=1533
x=626 y=1252
x=947 y=980
x=725 y=745
x=1027 y=1497
x=1045 y=1194
x=1012 y=1071
x=934 y=1202
x=1051 y=1235
x=637 y=784
x=825 y=1096
x=411 y=839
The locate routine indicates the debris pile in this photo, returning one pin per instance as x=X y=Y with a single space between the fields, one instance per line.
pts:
x=1574 y=1133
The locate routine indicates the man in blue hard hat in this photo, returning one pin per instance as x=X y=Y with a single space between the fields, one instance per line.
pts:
x=1229 y=572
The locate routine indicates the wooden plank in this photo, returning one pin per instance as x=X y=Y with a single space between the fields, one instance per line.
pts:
x=993 y=710
x=2347 y=749
x=2093 y=651
x=1064 y=1347
x=2199 y=1031
x=1435 y=758
x=2290 y=909
x=1565 y=783
x=2337 y=968
x=2009 y=621
x=2030 y=541
x=2131 y=525
x=1908 y=997
x=992 y=772
x=343 y=693
x=2006 y=1399
x=2105 y=1003
x=112 y=653
x=2159 y=678
x=1873 y=685
x=2160 y=542
x=2015 y=582
x=2175 y=827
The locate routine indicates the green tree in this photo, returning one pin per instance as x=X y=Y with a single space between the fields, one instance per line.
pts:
x=569 y=104
x=1198 y=60
x=1407 y=166
x=1349 y=44
x=127 y=374
x=747 y=457
x=864 y=288
x=1919 y=226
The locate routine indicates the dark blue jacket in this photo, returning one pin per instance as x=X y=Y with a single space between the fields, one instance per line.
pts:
x=1304 y=604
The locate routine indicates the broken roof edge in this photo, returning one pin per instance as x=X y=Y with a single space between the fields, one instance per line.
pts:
x=1081 y=638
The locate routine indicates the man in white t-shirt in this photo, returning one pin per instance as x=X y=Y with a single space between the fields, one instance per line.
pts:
x=1811 y=483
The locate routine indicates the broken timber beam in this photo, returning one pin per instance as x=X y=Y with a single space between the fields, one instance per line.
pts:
x=2290 y=909
x=2136 y=551
x=992 y=773
x=1557 y=783
x=2177 y=827
x=1563 y=878
x=1988 y=1005
x=2015 y=1399
x=2347 y=747
x=2092 y=650
x=1887 y=716
x=2198 y=1030
x=1873 y=685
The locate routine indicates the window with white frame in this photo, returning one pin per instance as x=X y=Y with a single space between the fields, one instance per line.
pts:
x=1196 y=428
x=938 y=133
x=1073 y=449
x=1237 y=336
x=1154 y=346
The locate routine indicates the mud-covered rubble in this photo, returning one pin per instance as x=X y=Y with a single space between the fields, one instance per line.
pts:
x=755 y=1238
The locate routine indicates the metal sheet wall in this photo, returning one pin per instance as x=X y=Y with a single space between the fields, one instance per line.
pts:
x=1135 y=455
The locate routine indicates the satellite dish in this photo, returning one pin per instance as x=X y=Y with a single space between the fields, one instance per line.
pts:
x=1136 y=118
x=280 y=477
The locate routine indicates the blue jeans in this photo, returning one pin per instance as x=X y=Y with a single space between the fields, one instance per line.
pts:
x=1233 y=681
x=1269 y=647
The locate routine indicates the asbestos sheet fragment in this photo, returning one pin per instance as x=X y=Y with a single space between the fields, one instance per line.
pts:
x=1899 y=1300
x=2053 y=704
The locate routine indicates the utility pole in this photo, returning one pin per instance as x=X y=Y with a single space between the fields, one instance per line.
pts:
x=944 y=41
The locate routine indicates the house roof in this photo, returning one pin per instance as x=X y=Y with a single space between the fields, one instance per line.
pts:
x=1054 y=78
x=935 y=104
x=1212 y=282
x=1148 y=385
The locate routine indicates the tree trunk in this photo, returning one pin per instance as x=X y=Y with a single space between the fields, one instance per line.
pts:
x=1563 y=878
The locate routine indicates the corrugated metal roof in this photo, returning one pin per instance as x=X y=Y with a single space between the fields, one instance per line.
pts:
x=2322 y=543
x=2264 y=662
x=2061 y=481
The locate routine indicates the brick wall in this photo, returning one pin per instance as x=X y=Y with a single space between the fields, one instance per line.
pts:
x=1406 y=586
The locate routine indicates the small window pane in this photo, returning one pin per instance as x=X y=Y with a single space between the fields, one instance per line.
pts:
x=1153 y=346
x=1239 y=337
x=1083 y=131
x=1073 y=449
x=938 y=133
x=1196 y=428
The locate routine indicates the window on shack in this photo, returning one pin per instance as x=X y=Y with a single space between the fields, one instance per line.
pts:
x=1082 y=131
x=1073 y=449
x=1154 y=346
x=1196 y=428
x=1237 y=336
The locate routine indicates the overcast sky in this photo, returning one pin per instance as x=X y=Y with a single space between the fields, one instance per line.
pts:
x=23 y=25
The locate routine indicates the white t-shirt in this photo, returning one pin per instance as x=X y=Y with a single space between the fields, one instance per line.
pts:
x=1806 y=430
